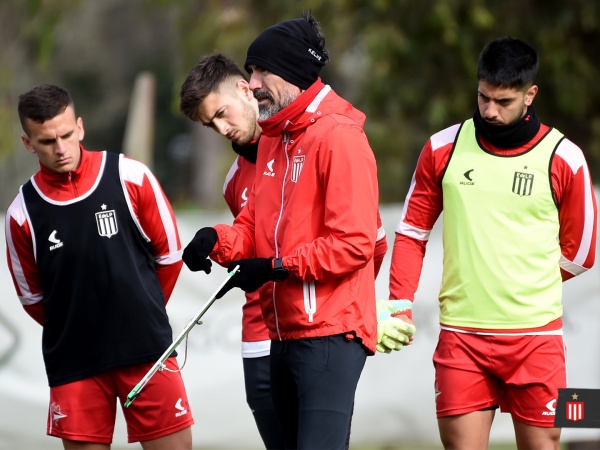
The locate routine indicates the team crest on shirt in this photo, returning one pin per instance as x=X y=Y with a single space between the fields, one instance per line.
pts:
x=107 y=222
x=298 y=163
x=522 y=183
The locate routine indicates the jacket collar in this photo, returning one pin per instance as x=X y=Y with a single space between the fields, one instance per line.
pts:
x=51 y=177
x=292 y=115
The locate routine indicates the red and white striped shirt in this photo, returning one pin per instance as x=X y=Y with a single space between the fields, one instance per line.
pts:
x=148 y=204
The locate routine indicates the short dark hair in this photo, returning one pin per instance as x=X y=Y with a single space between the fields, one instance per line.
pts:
x=43 y=103
x=203 y=79
x=508 y=62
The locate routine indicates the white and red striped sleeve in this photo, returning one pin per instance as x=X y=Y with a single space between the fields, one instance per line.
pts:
x=422 y=207
x=20 y=256
x=577 y=209
x=154 y=218
x=381 y=245
x=238 y=184
x=230 y=193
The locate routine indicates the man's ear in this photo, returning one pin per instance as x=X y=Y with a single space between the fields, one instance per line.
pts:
x=27 y=143
x=80 y=128
x=244 y=87
x=530 y=94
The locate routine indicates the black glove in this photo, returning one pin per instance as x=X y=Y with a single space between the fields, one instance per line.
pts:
x=253 y=273
x=195 y=255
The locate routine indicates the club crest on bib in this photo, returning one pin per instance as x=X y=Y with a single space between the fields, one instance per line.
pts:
x=522 y=183
x=107 y=222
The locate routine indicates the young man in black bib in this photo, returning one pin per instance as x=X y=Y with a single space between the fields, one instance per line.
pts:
x=94 y=253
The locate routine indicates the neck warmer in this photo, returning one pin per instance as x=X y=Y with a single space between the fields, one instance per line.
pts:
x=512 y=135
x=248 y=151
x=274 y=125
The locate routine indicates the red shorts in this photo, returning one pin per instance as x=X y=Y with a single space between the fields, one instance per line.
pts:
x=85 y=410
x=520 y=374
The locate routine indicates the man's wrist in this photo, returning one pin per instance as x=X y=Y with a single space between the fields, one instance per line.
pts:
x=280 y=273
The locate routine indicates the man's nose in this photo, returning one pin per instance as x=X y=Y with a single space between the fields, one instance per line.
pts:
x=490 y=111
x=255 y=82
x=221 y=126
x=60 y=147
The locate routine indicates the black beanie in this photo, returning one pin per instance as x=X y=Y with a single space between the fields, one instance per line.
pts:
x=288 y=49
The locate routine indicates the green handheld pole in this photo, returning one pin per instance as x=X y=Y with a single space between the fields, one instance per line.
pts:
x=160 y=364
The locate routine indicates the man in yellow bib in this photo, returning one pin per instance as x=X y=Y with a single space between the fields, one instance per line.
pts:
x=519 y=219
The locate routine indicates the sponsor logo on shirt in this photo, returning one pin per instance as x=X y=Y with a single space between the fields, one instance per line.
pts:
x=551 y=407
x=468 y=175
x=182 y=410
x=244 y=197
x=269 y=172
x=56 y=243
x=107 y=222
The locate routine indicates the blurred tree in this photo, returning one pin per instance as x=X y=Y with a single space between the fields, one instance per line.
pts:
x=96 y=50
x=410 y=66
x=27 y=33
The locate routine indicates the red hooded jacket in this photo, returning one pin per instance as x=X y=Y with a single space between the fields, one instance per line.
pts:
x=317 y=187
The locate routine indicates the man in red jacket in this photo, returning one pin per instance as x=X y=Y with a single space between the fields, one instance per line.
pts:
x=306 y=237
x=216 y=93
x=94 y=253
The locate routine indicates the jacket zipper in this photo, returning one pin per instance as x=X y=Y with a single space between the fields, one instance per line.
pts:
x=309 y=299
x=73 y=185
x=286 y=140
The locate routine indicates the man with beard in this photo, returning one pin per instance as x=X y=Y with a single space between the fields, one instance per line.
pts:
x=306 y=237
x=216 y=93
x=519 y=219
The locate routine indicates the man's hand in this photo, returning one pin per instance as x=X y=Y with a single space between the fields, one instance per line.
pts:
x=252 y=274
x=195 y=255
x=393 y=333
